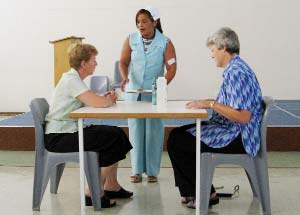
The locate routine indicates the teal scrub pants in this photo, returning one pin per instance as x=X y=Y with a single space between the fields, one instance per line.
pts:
x=146 y=137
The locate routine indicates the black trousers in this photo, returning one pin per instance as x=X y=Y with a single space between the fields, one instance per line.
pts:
x=110 y=142
x=182 y=151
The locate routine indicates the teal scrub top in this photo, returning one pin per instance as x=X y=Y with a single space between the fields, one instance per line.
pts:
x=145 y=65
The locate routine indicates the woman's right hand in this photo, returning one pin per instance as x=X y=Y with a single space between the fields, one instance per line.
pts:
x=123 y=83
x=112 y=97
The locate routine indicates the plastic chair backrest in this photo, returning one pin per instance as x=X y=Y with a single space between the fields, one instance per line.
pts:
x=99 y=84
x=267 y=104
x=39 y=108
x=117 y=75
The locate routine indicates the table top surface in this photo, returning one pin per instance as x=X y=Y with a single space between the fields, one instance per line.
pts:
x=140 y=109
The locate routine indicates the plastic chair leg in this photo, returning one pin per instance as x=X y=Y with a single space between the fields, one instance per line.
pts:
x=92 y=170
x=55 y=177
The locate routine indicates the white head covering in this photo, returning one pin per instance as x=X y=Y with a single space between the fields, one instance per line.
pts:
x=154 y=12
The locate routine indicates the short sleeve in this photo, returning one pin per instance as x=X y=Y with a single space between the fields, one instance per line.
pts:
x=77 y=87
x=239 y=87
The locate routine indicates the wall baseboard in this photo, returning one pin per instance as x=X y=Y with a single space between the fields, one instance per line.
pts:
x=10 y=113
x=23 y=138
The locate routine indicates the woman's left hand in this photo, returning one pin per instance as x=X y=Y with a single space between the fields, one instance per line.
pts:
x=112 y=94
x=198 y=104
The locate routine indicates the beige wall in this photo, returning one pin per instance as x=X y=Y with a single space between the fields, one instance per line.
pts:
x=268 y=29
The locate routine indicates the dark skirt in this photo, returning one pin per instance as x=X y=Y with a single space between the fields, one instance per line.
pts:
x=182 y=152
x=110 y=142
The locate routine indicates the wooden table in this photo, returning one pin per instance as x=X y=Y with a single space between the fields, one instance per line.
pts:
x=125 y=109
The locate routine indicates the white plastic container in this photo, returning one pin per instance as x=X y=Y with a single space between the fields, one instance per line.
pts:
x=162 y=94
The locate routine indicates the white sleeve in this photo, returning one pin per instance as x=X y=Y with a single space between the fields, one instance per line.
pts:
x=77 y=87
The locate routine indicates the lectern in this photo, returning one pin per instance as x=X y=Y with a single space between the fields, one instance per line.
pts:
x=61 y=62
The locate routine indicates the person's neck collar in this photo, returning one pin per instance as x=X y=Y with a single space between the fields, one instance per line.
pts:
x=151 y=36
x=81 y=73
x=229 y=59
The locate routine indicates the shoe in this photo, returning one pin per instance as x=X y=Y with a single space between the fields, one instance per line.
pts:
x=212 y=201
x=105 y=202
x=152 y=179
x=137 y=178
x=121 y=194
x=191 y=204
x=185 y=200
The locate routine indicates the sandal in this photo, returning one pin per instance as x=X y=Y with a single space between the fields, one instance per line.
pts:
x=185 y=200
x=152 y=179
x=121 y=194
x=212 y=201
x=137 y=178
x=105 y=202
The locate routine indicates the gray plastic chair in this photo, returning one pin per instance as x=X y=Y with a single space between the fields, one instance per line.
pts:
x=256 y=168
x=117 y=76
x=99 y=84
x=51 y=165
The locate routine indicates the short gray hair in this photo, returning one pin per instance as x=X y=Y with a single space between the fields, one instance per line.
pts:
x=225 y=38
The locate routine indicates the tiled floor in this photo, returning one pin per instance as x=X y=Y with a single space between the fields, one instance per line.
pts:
x=26 y=159
x=153 y=199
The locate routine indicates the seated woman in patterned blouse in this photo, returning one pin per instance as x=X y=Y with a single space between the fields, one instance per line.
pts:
x=234 y=127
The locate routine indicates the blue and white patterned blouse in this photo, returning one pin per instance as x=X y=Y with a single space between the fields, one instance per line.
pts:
x=240 y=90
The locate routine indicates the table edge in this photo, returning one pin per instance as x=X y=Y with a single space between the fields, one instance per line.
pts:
x=138 y=115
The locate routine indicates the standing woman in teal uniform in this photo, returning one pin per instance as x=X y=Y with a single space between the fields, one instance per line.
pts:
x=144 y=56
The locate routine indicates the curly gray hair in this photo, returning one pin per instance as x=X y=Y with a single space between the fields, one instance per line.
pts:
x=225 y=38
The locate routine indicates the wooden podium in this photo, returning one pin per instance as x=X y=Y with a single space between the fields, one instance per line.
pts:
x=61 y=61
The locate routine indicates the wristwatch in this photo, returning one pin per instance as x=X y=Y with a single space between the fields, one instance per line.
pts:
x=212 y=103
